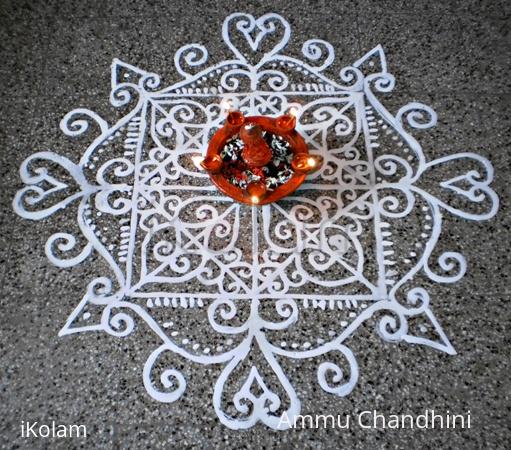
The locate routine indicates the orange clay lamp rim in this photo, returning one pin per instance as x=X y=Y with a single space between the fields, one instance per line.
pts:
x=256 y=193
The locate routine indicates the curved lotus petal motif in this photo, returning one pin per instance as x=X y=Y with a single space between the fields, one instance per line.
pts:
x=220 y=282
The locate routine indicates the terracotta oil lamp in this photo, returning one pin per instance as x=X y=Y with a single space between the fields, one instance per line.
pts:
x=258 y=159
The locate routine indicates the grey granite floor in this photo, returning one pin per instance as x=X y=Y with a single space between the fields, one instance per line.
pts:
x=55 y=56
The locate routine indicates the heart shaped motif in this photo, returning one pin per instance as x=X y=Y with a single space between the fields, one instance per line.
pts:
x=468 y=194
x=43 y=188
x=263 y=32
x=255 y=401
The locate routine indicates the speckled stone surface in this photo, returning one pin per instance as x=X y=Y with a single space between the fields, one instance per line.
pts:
x=452 y=55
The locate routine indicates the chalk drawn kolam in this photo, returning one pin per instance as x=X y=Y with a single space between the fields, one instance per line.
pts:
x=332 y=252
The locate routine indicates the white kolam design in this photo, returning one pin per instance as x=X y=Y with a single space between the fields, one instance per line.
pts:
x=218 y=281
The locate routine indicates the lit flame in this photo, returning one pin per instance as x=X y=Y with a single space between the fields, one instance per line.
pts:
x=226 y=104
x=254 y=199
x=293 y=111
x=197 y=159
x=311 y=162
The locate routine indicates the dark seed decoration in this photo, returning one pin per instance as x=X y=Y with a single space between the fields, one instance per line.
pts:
x=274 y=174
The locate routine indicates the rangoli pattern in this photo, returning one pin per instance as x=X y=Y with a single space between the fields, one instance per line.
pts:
x=218 y=281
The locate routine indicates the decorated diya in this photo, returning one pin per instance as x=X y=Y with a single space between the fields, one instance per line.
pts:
x=258 y=159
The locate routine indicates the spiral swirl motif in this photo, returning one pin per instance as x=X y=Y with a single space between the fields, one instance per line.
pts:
x=193 y=55
x=315 y=49
x=338 y=384
x=172 y=380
